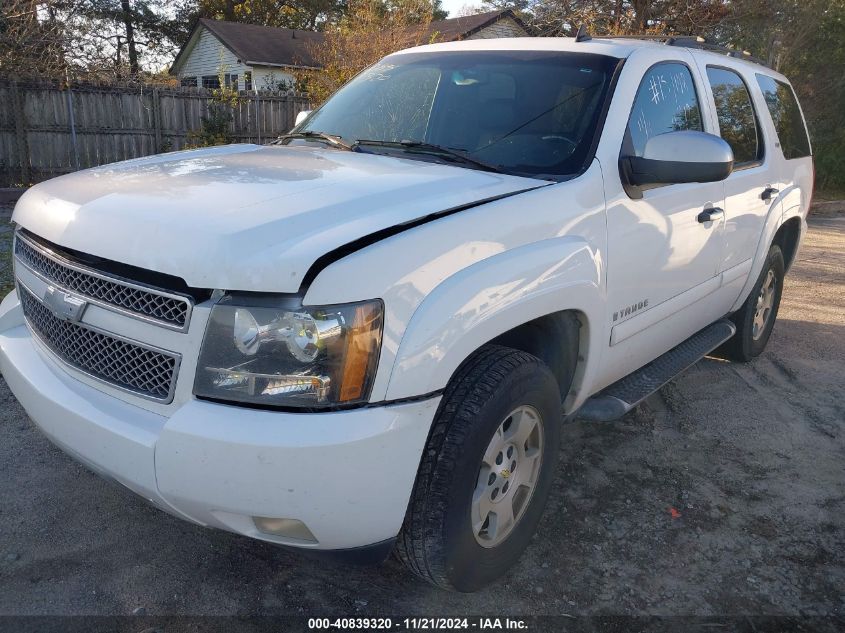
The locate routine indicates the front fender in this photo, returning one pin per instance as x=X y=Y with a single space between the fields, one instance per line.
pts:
x=495 y=295
x=484 y=258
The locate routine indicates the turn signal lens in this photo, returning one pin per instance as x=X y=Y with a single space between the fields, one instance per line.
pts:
x=356 y=360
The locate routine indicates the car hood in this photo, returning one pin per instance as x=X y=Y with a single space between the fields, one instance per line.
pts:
x=245 y=217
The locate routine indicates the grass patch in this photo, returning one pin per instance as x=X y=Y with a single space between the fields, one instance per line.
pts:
x=6 y=276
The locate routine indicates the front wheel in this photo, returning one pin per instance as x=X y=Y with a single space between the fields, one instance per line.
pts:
x=486 y=471
x=756 y=318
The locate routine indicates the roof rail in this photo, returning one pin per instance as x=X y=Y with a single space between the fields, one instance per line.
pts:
x=686 y=41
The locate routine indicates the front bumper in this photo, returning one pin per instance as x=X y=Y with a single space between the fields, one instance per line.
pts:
x=346 y=475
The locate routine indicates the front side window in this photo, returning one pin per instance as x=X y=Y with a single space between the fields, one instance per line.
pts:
x=532 y=113
x=666 y=101
x=737 y=119
x=783 y=106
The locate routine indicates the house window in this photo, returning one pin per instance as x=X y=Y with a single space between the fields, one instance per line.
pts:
x=231 y=81
x=248 y=80
x=210 y=81
x=188 y=82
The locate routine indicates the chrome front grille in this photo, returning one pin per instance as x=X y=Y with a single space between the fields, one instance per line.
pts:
x=128 y=365
x=139 y=301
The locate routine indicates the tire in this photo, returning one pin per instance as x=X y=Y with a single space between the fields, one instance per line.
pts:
x=438 y=541
x=750 y=341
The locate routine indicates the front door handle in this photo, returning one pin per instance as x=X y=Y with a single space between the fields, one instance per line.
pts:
x=768 y=192
x=710 y=215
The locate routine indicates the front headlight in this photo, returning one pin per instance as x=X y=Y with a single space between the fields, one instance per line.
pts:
x=278 y=352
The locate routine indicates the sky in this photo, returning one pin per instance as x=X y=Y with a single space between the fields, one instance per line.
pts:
x=454 y=6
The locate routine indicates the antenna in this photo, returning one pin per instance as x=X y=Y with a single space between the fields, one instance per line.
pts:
x=582 y=35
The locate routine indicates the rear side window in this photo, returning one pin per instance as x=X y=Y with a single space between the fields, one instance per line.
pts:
x=737 y=119
x=666 y=101
x=786 y=116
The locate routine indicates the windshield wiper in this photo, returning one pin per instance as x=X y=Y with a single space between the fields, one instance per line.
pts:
x=432 y=149
x=334 y=141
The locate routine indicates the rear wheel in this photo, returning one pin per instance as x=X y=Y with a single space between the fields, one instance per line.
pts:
x=756 y=318
x=486 y=471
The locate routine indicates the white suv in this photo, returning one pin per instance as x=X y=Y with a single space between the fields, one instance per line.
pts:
x=365 y=336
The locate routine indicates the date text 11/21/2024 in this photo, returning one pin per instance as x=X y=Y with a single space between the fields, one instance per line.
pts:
x=418 y=624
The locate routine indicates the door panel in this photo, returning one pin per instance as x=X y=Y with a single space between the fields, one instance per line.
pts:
x=792 y=153
x=737 y=118
x=657 y=248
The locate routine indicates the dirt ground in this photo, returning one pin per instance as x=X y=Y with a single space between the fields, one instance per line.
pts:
x=750 y=457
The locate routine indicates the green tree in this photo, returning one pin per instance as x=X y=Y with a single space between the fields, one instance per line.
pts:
x=294 y=14
x=370 y=30
x=100 y=38
x=610 y=17
x=805 y=40
x=30 y=44
x=130 y=25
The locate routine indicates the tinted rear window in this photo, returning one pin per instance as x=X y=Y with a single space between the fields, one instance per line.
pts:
x=786 y=115
x=737 y=119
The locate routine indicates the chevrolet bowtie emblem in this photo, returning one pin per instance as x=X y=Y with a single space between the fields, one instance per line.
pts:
x=64 y=305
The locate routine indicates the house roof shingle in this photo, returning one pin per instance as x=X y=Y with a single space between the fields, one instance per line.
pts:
x=274 y=46
x=268 y=45
x=452 y=29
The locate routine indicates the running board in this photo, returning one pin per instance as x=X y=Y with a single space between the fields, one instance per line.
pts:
x=616 y=400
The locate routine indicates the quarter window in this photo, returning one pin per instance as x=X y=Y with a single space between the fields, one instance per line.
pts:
x=786 y=116
x=737 y=119
x=666 y=101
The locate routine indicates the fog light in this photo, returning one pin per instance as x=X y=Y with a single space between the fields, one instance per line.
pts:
x=288 y=528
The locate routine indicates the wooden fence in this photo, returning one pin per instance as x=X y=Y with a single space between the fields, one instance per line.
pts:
x=46 y=131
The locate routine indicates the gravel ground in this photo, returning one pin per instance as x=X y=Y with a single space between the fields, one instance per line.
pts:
x=723 y=494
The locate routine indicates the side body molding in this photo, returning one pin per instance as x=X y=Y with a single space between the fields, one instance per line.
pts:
x=491 y=297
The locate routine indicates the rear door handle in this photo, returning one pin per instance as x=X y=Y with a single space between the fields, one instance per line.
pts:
x=710 y=215
x=768 y=192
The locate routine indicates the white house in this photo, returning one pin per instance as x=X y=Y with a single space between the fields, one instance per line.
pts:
x=254 y=57
x=251 y=56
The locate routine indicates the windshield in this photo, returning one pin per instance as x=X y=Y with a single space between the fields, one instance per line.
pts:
x=532 y=113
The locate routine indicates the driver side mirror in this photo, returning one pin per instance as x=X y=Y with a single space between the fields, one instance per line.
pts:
x=678 y=157
x=301 y=117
